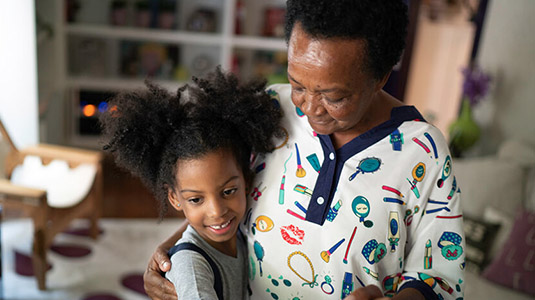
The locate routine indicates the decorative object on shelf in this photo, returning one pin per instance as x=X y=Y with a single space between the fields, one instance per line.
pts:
x=166 y=14
x=200 y=65
x=88 y=56
x=154 y=60
x=71 y=9
x=202 y=20
x=239 y=17
x=118 y=14
x=465 y=132
x=271 y=65
x=274 y=21
x=143 y=14
x=152 y=57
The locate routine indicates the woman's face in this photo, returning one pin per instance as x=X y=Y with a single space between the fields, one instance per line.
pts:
x=210 y=190
x=329 y=83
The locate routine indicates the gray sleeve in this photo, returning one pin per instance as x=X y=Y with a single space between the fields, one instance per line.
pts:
x=192 y=276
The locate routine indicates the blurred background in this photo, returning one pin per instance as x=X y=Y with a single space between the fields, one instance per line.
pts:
x=61 y=60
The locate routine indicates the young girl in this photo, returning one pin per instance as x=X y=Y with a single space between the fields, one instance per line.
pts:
x=193 y=149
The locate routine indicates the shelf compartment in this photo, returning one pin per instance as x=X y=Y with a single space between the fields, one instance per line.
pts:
x=142 y=34
x=258 y=43
x=115 y=84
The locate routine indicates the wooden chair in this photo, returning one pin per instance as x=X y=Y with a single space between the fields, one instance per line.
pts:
x=49 y=217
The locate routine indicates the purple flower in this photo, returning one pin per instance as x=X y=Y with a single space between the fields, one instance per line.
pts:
x=476 y=84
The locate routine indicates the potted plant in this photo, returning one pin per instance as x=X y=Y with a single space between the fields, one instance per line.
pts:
x=465 y=132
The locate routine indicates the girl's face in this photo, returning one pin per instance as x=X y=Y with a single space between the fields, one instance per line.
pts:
x=211 y=192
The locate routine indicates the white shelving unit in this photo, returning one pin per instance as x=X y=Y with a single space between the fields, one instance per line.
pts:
x=90 y=50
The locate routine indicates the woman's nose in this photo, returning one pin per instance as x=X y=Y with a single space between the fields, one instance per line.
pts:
x=311 y=104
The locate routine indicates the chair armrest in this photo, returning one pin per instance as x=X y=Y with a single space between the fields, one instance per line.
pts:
x=71 y=155
x=10 y=191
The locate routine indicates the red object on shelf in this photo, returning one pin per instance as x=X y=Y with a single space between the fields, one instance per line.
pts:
x=274 y=21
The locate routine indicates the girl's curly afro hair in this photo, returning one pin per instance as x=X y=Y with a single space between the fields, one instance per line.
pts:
x=148 y=131
x=381 y=23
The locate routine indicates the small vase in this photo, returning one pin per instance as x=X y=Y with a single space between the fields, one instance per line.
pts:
x=464 y=132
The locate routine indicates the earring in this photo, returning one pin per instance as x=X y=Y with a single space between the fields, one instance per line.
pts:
x=178 y=204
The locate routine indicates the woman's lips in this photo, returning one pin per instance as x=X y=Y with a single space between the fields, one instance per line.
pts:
x=317 y=122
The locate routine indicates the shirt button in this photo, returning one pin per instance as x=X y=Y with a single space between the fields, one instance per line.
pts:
x=331 y=156
x=320 y=200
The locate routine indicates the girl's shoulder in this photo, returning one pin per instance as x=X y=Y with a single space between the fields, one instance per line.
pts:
x=191 y=274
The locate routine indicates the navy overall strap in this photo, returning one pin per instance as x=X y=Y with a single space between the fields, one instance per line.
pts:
x=218 y=284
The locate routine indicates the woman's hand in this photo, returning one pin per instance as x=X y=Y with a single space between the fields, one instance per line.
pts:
x=369 y=292
x=156 y=286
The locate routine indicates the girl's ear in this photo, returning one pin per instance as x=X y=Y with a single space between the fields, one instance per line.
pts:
x=173 y=199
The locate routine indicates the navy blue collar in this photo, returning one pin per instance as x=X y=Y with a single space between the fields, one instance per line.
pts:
x=398 y=115
x=334 y=160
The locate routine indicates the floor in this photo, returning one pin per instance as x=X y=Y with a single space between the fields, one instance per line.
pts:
x=109 y=268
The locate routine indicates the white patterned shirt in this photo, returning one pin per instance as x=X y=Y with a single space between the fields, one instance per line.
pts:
x=383 y=209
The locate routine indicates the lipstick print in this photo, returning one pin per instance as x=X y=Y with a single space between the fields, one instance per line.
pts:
x=281 y=190
x=333 y=211
x=303 y=189
x=292 y=235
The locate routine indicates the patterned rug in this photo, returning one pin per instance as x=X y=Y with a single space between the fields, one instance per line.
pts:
x=80 y=268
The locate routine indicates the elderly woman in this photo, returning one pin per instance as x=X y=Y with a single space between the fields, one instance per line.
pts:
x=359 y=200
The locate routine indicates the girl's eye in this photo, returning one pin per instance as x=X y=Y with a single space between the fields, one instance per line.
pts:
x=229 y=192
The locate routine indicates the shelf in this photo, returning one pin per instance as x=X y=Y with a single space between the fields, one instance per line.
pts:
x=95 y=56
x=142 y=34
x=259 y=43
x=175 y=37
x=117 y=84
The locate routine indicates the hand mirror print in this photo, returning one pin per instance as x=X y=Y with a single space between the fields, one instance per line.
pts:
x=259 y=253
x=367 y=165
x=361 y=209
x=418 y=173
